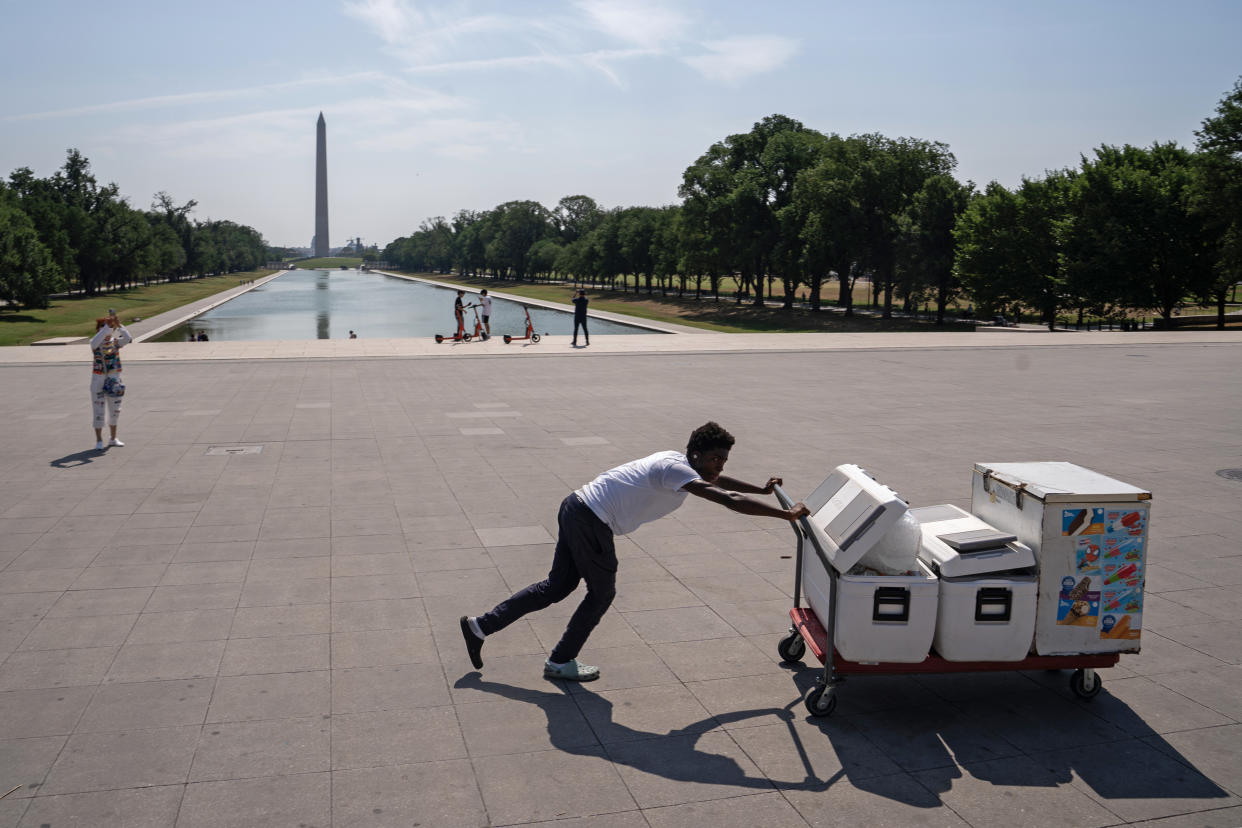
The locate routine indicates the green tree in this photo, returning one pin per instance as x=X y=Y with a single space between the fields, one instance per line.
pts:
x=1135 y=222
x=28 y=274
x=1217 y=196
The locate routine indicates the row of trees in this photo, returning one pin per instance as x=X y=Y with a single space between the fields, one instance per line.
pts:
x=781 y=204
x=68 y=232
x=1131 y=229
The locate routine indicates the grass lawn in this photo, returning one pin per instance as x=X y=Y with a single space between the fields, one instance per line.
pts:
x=75 y=315
x=330 y=262
x=725 y=316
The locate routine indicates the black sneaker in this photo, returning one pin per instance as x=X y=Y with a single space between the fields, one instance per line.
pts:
x=474 y=644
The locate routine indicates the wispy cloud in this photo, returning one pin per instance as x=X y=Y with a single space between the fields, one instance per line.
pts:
x=735 y=58
x=280 y=131
x=191 y=98
x=600 y=61
x=586 y=35
x=642 y=23
x=421 y=36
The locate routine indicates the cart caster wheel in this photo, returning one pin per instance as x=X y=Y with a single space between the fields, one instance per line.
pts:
x=534 y=337
x=465 y=337
x=1078 y=683
x=791 y=648
x=821 y=701
x=508 y=339
x=439 y=338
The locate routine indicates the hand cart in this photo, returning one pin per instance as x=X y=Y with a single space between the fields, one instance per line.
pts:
x=807 y=630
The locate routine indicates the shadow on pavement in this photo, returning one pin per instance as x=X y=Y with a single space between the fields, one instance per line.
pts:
x=673 y=755
x=1007 y=731
x=78 y=458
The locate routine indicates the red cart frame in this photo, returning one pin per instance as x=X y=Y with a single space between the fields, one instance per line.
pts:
x=807 y=630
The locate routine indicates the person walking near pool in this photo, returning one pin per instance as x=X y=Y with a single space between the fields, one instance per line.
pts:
x=616 y=503
x=580 y=317
x=106 y=388
x=485 y=302
x=459 y=311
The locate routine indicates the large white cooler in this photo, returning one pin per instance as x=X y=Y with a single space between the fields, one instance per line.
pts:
x=878 y=618
x=987 y=582
x=1089 y=536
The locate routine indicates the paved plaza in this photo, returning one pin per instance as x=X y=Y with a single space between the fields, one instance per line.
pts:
x=247 y=616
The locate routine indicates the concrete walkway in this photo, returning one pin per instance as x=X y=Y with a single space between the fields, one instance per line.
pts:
x=248 y=615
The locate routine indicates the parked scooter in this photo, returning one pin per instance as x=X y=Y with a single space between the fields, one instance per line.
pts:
x=530 y=330
x=480 y=332
x=461 y=335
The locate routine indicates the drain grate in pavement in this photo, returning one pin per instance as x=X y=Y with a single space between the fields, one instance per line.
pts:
x=1230 y=474
x=218 y=450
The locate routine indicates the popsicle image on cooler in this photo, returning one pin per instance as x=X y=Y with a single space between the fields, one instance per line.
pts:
x=1077 y=522
x=1121 y=574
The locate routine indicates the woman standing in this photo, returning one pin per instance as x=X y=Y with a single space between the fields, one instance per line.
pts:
x=106 y=388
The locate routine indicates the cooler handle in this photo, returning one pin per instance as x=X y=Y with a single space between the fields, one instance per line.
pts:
x=891 y=604
x=993 y=604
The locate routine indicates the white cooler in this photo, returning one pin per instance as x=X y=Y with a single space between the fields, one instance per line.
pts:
x=988 y=586
x=879 y=618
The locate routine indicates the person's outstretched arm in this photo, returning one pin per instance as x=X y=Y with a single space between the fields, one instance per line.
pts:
x=735 y=485
x=745 y=504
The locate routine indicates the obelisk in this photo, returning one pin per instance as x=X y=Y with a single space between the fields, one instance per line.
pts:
x=322 y=248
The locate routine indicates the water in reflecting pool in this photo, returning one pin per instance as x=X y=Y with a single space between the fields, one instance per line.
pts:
x=328 y=304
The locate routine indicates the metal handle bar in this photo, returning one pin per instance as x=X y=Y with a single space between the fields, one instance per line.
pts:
x=805 y=531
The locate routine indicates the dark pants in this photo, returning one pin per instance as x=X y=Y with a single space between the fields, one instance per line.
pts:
x=584 y=551
x=585 y=333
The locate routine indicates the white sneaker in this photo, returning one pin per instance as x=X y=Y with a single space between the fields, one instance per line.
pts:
x=115 y=442
x=99 y=445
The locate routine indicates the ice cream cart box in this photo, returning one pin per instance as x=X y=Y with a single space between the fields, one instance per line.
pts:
x=988 y=586
x=878 y=618
x=1089 y=535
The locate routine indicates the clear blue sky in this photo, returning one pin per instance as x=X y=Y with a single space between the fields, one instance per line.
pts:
x=434 y=107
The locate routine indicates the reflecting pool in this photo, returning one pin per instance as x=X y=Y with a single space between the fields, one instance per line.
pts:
x=328 y=304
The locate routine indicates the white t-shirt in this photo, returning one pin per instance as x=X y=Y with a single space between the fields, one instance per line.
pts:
x=486 y=302
x=639 y=491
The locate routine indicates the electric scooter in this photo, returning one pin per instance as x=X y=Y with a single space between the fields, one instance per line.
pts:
x=530 y=330
x=479 y=332
x=461 y=335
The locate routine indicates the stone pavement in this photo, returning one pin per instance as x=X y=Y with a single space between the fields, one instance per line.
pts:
x=195 y=637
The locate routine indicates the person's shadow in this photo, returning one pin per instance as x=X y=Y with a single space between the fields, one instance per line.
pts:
x=677 y=756
x=78 y=458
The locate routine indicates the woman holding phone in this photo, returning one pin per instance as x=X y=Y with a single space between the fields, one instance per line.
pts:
x=106 y=388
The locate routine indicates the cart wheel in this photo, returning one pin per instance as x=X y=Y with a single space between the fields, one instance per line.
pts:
x=791 y=648
x=1078 y=683
x=534 y=337
x=508 y=339
x=821 y=701
x=439 y=338
x=465 y=337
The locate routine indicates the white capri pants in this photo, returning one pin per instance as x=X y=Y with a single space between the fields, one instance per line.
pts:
x=107 y=408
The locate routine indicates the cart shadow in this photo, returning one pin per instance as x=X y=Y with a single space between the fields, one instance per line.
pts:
x=1031 y=737
x=78 y=458
x=674 y=755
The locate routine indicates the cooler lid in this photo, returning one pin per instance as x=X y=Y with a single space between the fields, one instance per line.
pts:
x=1059 y=482
x=957 y=543
x=850 y=511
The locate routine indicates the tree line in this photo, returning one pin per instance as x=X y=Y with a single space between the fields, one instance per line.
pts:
x=785 y=206
x=67 y=232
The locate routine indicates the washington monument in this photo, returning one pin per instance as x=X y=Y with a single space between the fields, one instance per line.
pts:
x=322 y=248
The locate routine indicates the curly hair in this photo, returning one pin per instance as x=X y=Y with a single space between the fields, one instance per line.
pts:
x=710 y=435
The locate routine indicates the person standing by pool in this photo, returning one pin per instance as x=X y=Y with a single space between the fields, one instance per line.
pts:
x=459 y=311
x=106 y=388
x=580 y=317
x=485 y=302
